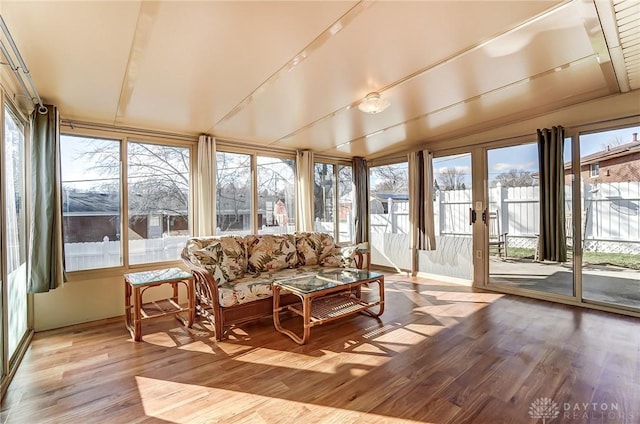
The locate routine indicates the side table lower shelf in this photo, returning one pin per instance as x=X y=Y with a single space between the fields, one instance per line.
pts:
x=135 y=311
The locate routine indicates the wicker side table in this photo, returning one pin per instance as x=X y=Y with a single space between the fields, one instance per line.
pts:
x=135 y=311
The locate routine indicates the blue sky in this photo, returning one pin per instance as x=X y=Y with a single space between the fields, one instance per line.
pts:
x=525 y=157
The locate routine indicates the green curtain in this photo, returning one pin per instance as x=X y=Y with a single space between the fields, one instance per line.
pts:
x=552 y=243
x=45 y=237
x=361 y=186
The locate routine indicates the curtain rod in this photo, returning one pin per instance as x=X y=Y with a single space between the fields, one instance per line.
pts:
x=37 y=100
x=127 y=130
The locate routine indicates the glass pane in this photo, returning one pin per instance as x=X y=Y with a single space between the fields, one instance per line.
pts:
x=324 y=211
x=90 y=169
x=389 y=216
x=158 y=195
x=15 y=231
x=451 y=202
x=233 y=193
x=610 y=221
x=276 y=195
x=346 y=223
x=514 y=222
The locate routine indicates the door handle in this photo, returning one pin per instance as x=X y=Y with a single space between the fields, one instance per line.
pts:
x=485 y=217
x=472 y=216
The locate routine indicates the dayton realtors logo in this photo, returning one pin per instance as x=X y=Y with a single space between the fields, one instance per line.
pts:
x=546 y=409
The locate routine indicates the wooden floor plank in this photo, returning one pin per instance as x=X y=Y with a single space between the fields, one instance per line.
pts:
x=441 y=353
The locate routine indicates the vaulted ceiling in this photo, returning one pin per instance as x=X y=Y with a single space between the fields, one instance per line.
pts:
x=291 y=74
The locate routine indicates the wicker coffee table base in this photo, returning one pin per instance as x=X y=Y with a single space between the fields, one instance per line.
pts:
x=324 y=306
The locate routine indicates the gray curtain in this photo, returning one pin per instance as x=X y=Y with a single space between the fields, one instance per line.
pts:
x=421 y=214
x=45 y=237
x=552 y=243
x=421 y=200
x=361 y=186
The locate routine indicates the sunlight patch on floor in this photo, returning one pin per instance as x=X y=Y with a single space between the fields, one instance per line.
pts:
x=400 y=339
x=199 y=347
x=463 y=297
x=282 y=358
x=160 y=338
x=424 y=329
x=162 y=399
x=457 y=310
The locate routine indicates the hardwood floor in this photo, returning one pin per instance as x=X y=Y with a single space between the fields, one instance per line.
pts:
x=441 y=353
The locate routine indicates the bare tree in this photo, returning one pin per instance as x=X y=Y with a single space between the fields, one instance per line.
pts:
x=515 y=178
x=394 y=179
x=614 y=142
x=451 y=179
x=157 y=175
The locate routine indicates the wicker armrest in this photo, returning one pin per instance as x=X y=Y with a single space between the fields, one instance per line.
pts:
x=205 y=284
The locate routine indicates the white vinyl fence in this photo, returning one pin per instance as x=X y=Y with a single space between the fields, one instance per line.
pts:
x=104 y=254
x=610 y=220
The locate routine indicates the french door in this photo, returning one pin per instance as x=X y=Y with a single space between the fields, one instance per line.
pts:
x=453 y=194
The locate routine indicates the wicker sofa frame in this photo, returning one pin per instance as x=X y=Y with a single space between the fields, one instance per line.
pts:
x=224 y=318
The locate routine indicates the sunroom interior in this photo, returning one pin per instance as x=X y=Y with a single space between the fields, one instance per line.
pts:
x=138 y=86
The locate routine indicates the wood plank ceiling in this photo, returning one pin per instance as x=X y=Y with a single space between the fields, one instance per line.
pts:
x=290 y=74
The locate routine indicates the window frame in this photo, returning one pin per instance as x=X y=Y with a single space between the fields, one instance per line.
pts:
x=336 y=163
x=594 y=169
x=124 y=138
x=254 y=153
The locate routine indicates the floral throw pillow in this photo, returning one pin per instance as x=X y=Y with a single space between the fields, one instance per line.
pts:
x=224 y=257
x=307 y=248
x=334 y=258
x=326 y=246
x=270 y=252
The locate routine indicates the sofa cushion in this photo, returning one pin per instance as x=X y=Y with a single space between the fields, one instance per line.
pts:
x=270 y=252
x=259 y=286
x=244 y=290
x=224 y=257
x=307 y=245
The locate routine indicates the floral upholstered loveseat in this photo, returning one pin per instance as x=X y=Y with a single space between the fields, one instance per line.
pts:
x=234 y=274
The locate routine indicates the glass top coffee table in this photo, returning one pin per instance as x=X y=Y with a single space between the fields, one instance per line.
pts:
x=326 y=296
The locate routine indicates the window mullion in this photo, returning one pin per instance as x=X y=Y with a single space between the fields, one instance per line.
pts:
x=124 y=202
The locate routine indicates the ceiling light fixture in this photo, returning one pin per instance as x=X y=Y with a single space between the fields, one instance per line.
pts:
x=373 y=104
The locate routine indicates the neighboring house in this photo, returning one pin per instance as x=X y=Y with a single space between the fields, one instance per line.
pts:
x=91 y=216
x=614 y=165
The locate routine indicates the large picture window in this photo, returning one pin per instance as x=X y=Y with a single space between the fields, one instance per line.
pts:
x=157 y=185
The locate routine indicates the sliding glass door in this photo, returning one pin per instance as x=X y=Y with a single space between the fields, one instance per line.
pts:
x=389 y=216
x=602 y=220
x=513 y=224
x=610 y=220
x=15 y=230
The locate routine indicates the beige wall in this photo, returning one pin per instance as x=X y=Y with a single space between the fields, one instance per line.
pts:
x=101 y=296
x=89 y=299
